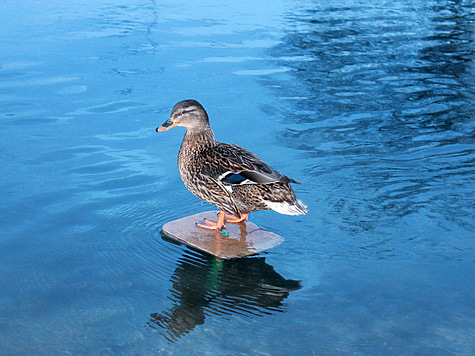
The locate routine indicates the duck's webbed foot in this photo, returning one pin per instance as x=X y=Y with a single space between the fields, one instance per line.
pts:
x=236 y=220
x=211 y=225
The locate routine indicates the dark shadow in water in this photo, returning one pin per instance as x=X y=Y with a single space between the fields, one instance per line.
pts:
x=204 y=285
x=451 y=49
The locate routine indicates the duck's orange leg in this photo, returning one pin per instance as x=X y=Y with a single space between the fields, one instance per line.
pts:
x=211 y=225
x=235 y=220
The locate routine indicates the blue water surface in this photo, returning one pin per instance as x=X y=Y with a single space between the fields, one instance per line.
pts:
x=368 y=104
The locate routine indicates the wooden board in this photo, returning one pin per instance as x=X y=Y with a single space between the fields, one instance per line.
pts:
x=244 y=239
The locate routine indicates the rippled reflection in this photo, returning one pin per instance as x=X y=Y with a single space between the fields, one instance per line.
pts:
x=384 y=109
x=204 y=285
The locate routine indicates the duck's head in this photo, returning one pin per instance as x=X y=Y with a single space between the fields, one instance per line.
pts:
x=189 y=114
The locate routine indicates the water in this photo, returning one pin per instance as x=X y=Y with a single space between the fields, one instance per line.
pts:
x=368 y=104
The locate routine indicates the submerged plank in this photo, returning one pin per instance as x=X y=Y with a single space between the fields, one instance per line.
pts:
x=244 y=239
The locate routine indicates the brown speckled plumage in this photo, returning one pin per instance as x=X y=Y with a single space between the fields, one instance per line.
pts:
x=225 y=175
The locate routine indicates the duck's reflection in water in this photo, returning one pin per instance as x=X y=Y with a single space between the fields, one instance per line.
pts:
x=204 y=285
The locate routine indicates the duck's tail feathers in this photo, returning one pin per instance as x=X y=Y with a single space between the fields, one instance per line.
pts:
x=292 y=208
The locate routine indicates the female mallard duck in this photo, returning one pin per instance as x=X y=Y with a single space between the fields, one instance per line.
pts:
x=225 y=175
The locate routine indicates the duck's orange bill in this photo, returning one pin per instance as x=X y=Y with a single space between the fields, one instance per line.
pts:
x=163 y=128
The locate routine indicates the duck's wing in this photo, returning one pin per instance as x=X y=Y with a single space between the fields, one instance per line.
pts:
x=232 y=165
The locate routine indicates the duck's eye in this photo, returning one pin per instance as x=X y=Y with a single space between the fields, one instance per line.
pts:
x=183 y=112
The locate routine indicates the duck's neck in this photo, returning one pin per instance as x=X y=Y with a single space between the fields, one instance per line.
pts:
x=196 y=140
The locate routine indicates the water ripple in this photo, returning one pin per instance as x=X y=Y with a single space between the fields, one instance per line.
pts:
x=397 y=125
x=368 y=104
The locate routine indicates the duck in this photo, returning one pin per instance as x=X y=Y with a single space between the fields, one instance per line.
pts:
x=232 y=178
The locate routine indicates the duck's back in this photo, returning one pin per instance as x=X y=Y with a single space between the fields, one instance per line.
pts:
x=234 y=179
